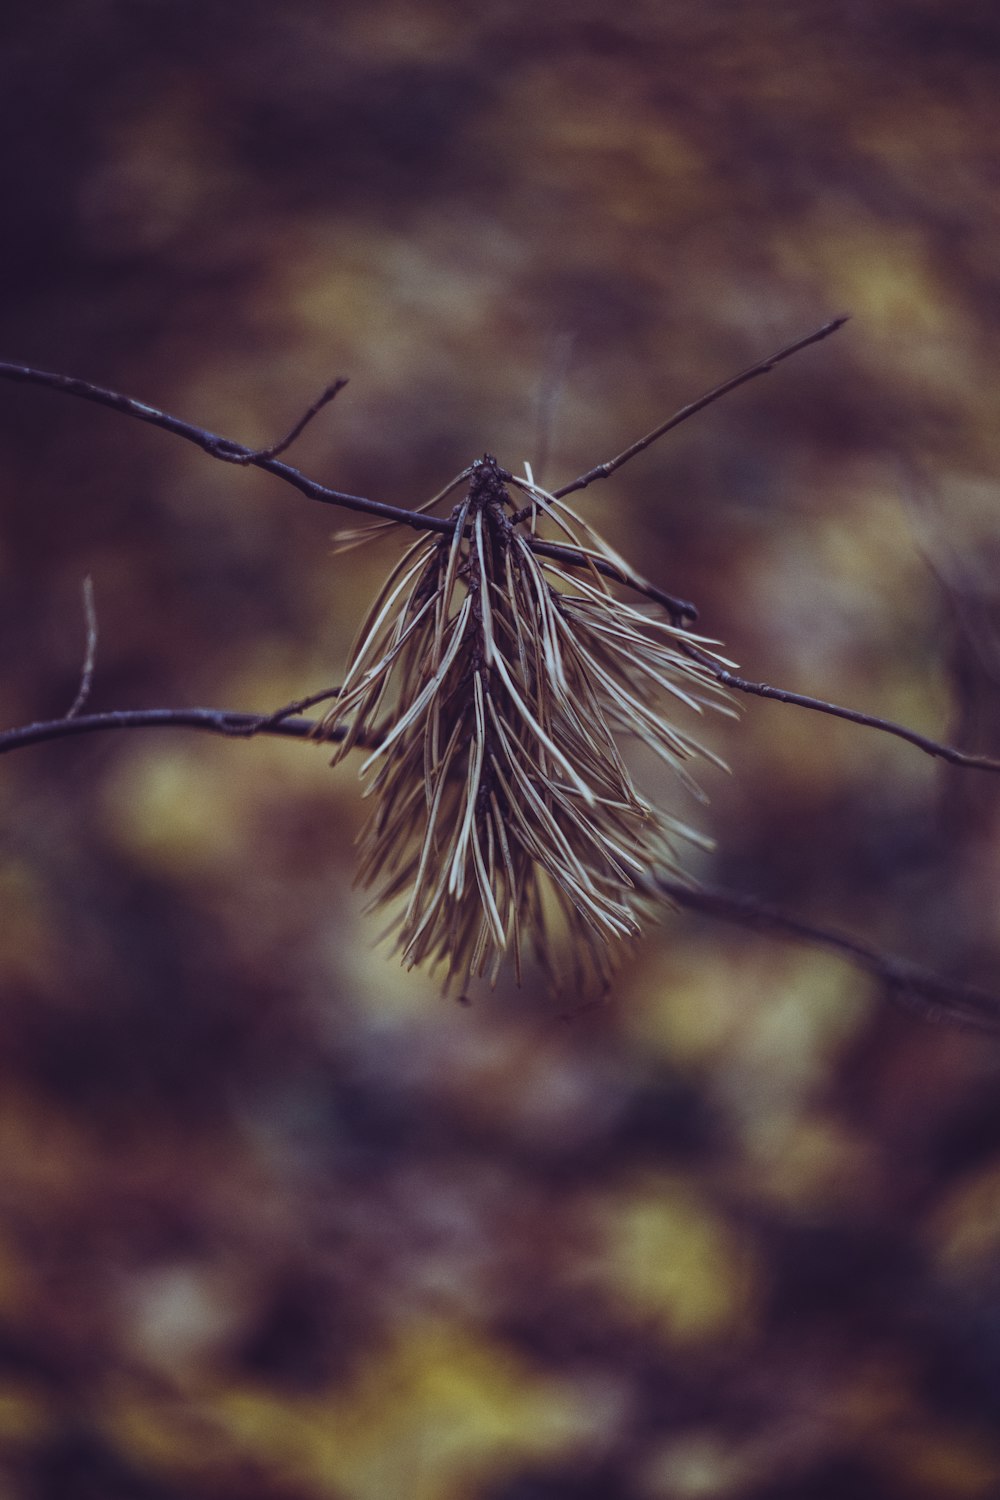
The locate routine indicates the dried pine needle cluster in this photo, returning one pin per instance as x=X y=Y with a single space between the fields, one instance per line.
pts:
x=493 y=688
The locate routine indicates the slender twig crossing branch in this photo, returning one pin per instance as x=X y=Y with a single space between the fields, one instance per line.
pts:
x=602 y=471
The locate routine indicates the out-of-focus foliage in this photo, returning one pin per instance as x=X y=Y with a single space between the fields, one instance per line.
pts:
x=277 y=1222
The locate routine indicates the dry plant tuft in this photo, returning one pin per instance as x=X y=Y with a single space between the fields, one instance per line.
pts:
x=496 y=689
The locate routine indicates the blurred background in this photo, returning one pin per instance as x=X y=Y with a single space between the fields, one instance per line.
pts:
x=276 y=1221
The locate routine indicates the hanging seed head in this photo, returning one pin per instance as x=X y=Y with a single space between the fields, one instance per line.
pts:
x=493 y=689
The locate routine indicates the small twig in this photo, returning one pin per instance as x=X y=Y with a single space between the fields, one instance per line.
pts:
x=254 y=455
x=602 y=471
x=90 y=649
x=291 y=710
x=934 y=996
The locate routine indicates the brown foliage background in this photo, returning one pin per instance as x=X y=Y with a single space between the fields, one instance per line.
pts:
x=277 y=1222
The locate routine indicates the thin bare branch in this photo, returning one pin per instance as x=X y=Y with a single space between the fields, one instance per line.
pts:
x=602 y=471
x=90 y=649
x=935 y=997
x=922 y=742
